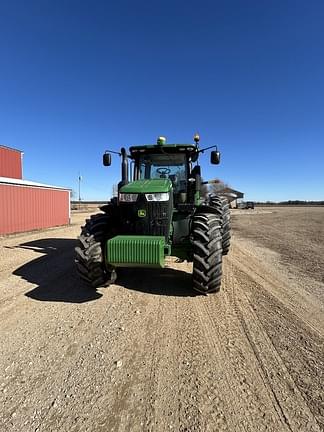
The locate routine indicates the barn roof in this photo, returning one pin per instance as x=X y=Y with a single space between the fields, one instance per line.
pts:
x=18 y=182
x=231 y=193
x=10 y=148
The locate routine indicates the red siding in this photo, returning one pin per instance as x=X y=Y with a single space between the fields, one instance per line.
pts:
x=10 y=163
x=24 y=208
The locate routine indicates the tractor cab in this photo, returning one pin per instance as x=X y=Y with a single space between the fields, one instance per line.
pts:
x=171 y=162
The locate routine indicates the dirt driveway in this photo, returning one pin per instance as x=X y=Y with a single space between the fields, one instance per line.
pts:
x=148 y=355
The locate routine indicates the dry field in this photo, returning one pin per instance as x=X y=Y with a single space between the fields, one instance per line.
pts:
x=148 y=355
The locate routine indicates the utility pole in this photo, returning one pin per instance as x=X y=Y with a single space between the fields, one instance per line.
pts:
x=80 y=179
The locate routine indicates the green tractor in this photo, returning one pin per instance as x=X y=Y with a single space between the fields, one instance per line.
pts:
x=161 y=212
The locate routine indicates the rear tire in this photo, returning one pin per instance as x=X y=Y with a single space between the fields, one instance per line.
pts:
x=207 y=253
x=90 y=256
x=226 y=227
x=222 y=208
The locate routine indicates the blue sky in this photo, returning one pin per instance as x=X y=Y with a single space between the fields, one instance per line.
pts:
x=78 y=77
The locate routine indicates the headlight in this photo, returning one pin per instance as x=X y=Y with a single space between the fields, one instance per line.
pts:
x=160 y=196
x=127 y=197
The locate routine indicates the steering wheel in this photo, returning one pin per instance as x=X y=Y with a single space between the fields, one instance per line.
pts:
x=163 y=171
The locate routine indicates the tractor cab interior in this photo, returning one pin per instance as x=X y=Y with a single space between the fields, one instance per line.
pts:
x=164 y=166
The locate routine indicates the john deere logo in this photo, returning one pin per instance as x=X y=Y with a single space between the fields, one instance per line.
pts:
x=141 y=213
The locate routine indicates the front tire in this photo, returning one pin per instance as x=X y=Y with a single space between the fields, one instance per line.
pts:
x=207 y=253
x=90 y=257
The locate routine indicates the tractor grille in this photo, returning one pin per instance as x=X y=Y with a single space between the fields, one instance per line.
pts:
x=155 y=219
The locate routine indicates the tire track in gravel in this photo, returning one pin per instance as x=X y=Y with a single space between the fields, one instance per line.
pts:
x=308 y=308
x=244 y=387
x=191 y=367
x=283 y=376
x=218 y=396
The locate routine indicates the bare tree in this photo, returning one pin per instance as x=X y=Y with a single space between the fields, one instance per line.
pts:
x=217 y=185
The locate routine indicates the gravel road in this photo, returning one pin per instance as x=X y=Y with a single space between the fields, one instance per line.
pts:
x=148 y=355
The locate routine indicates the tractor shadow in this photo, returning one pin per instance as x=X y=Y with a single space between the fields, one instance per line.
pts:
x=162 y=282
x=57 y=281
x=54 y=272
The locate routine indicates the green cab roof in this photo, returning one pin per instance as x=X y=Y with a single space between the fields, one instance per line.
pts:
x=147 y=186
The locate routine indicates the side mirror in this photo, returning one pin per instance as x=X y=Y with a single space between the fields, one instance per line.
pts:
x=196 y=171
x=106 y=159
x=215 y=157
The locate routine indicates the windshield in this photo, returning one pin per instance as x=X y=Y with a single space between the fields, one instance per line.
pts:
x=165 y=166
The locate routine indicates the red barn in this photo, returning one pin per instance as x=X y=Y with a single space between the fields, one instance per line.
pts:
x=27 y=205
x=10 y=162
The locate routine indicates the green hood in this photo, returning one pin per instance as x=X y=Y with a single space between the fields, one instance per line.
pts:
x=147 y=186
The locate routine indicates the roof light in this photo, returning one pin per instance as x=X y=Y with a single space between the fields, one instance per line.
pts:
x=196 y=138
x=161 y=140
